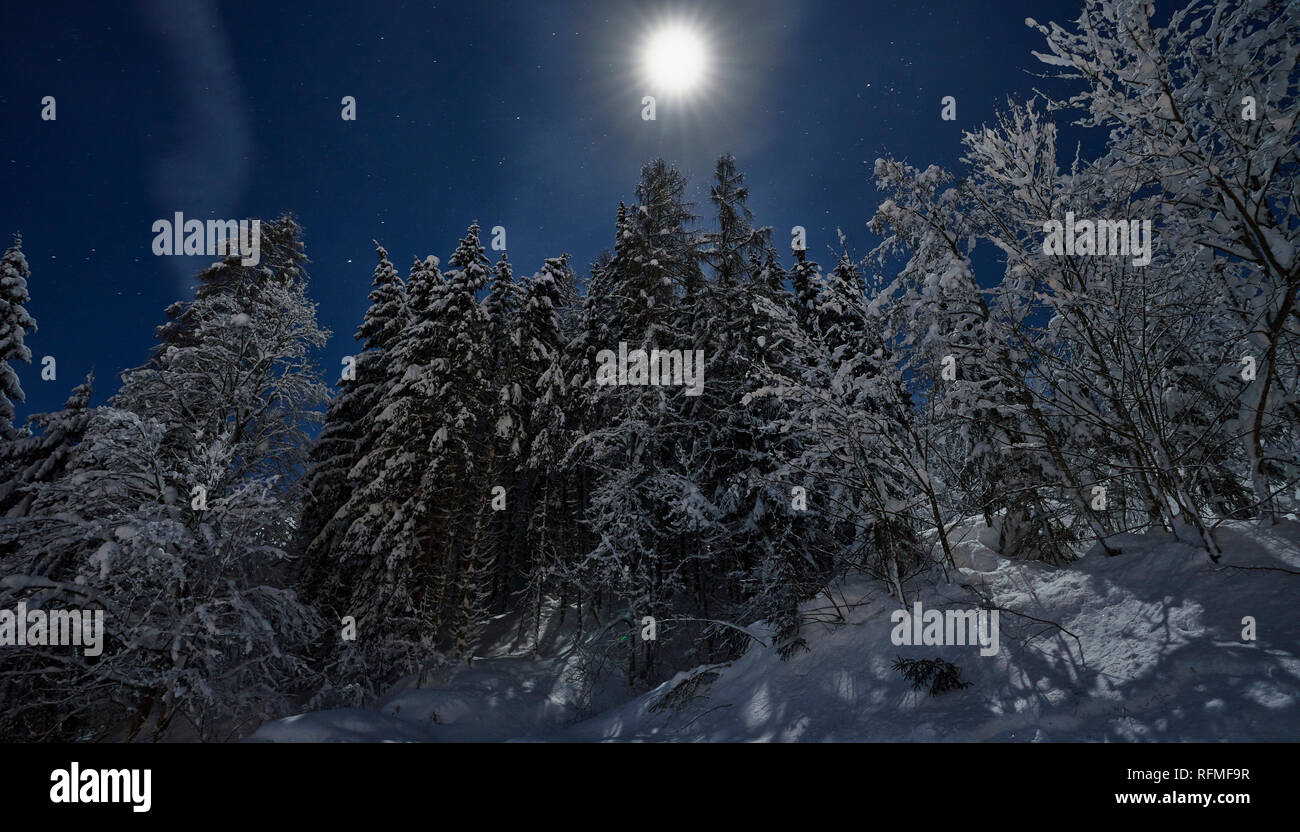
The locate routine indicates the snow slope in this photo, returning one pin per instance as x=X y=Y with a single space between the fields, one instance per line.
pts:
x=1149 y=647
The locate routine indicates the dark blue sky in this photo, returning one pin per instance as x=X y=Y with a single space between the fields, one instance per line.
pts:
x=520 y=114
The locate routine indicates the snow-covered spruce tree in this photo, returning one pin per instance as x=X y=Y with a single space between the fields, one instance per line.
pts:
x=645 y=504
x=806 y=559
x=760 y=566
x=805 y=277
x=462 y=467
x=424 y=486
x=506 y=529
x=349 y=421
x=544 y=491
x=15 y=324
x=173 y=518
x=504 y=298
x=598 y=325
x=711 y=317
x=879 y=438
x=854 y=440
x=1202 y=114
x=595 y=328
x=389 y=545
x=42 y=455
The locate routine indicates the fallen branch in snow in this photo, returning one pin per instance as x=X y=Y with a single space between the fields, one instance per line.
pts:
x=715 y=621
x=830 y=596
x=682 y=688
x=993 y=606
x=844 y=603
x=1261 y=568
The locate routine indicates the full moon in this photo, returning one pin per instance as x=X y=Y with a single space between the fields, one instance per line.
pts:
x=675 y=58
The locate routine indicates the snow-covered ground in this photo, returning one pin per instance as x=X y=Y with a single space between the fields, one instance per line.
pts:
x=1144 y=646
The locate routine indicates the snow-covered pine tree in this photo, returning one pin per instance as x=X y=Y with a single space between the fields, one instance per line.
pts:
x=349 y=423
x=505 y=530
x=172 y=518
x=396 y=594
x=15 y=324
x=760 y=566
x=645 y=505
x=805 y=278
x=852 y=444
x=502 y=303
x=595 y=327
x=425 y=476
x=462 y=466
x=42 y=455
x=544 y=494
x=598 y=326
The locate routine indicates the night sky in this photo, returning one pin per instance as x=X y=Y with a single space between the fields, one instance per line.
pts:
x=520 y=114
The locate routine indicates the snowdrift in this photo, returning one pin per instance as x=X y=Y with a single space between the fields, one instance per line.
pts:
x=1151 y=645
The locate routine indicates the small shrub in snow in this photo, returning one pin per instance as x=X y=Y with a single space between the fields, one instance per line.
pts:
x=940 y=675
